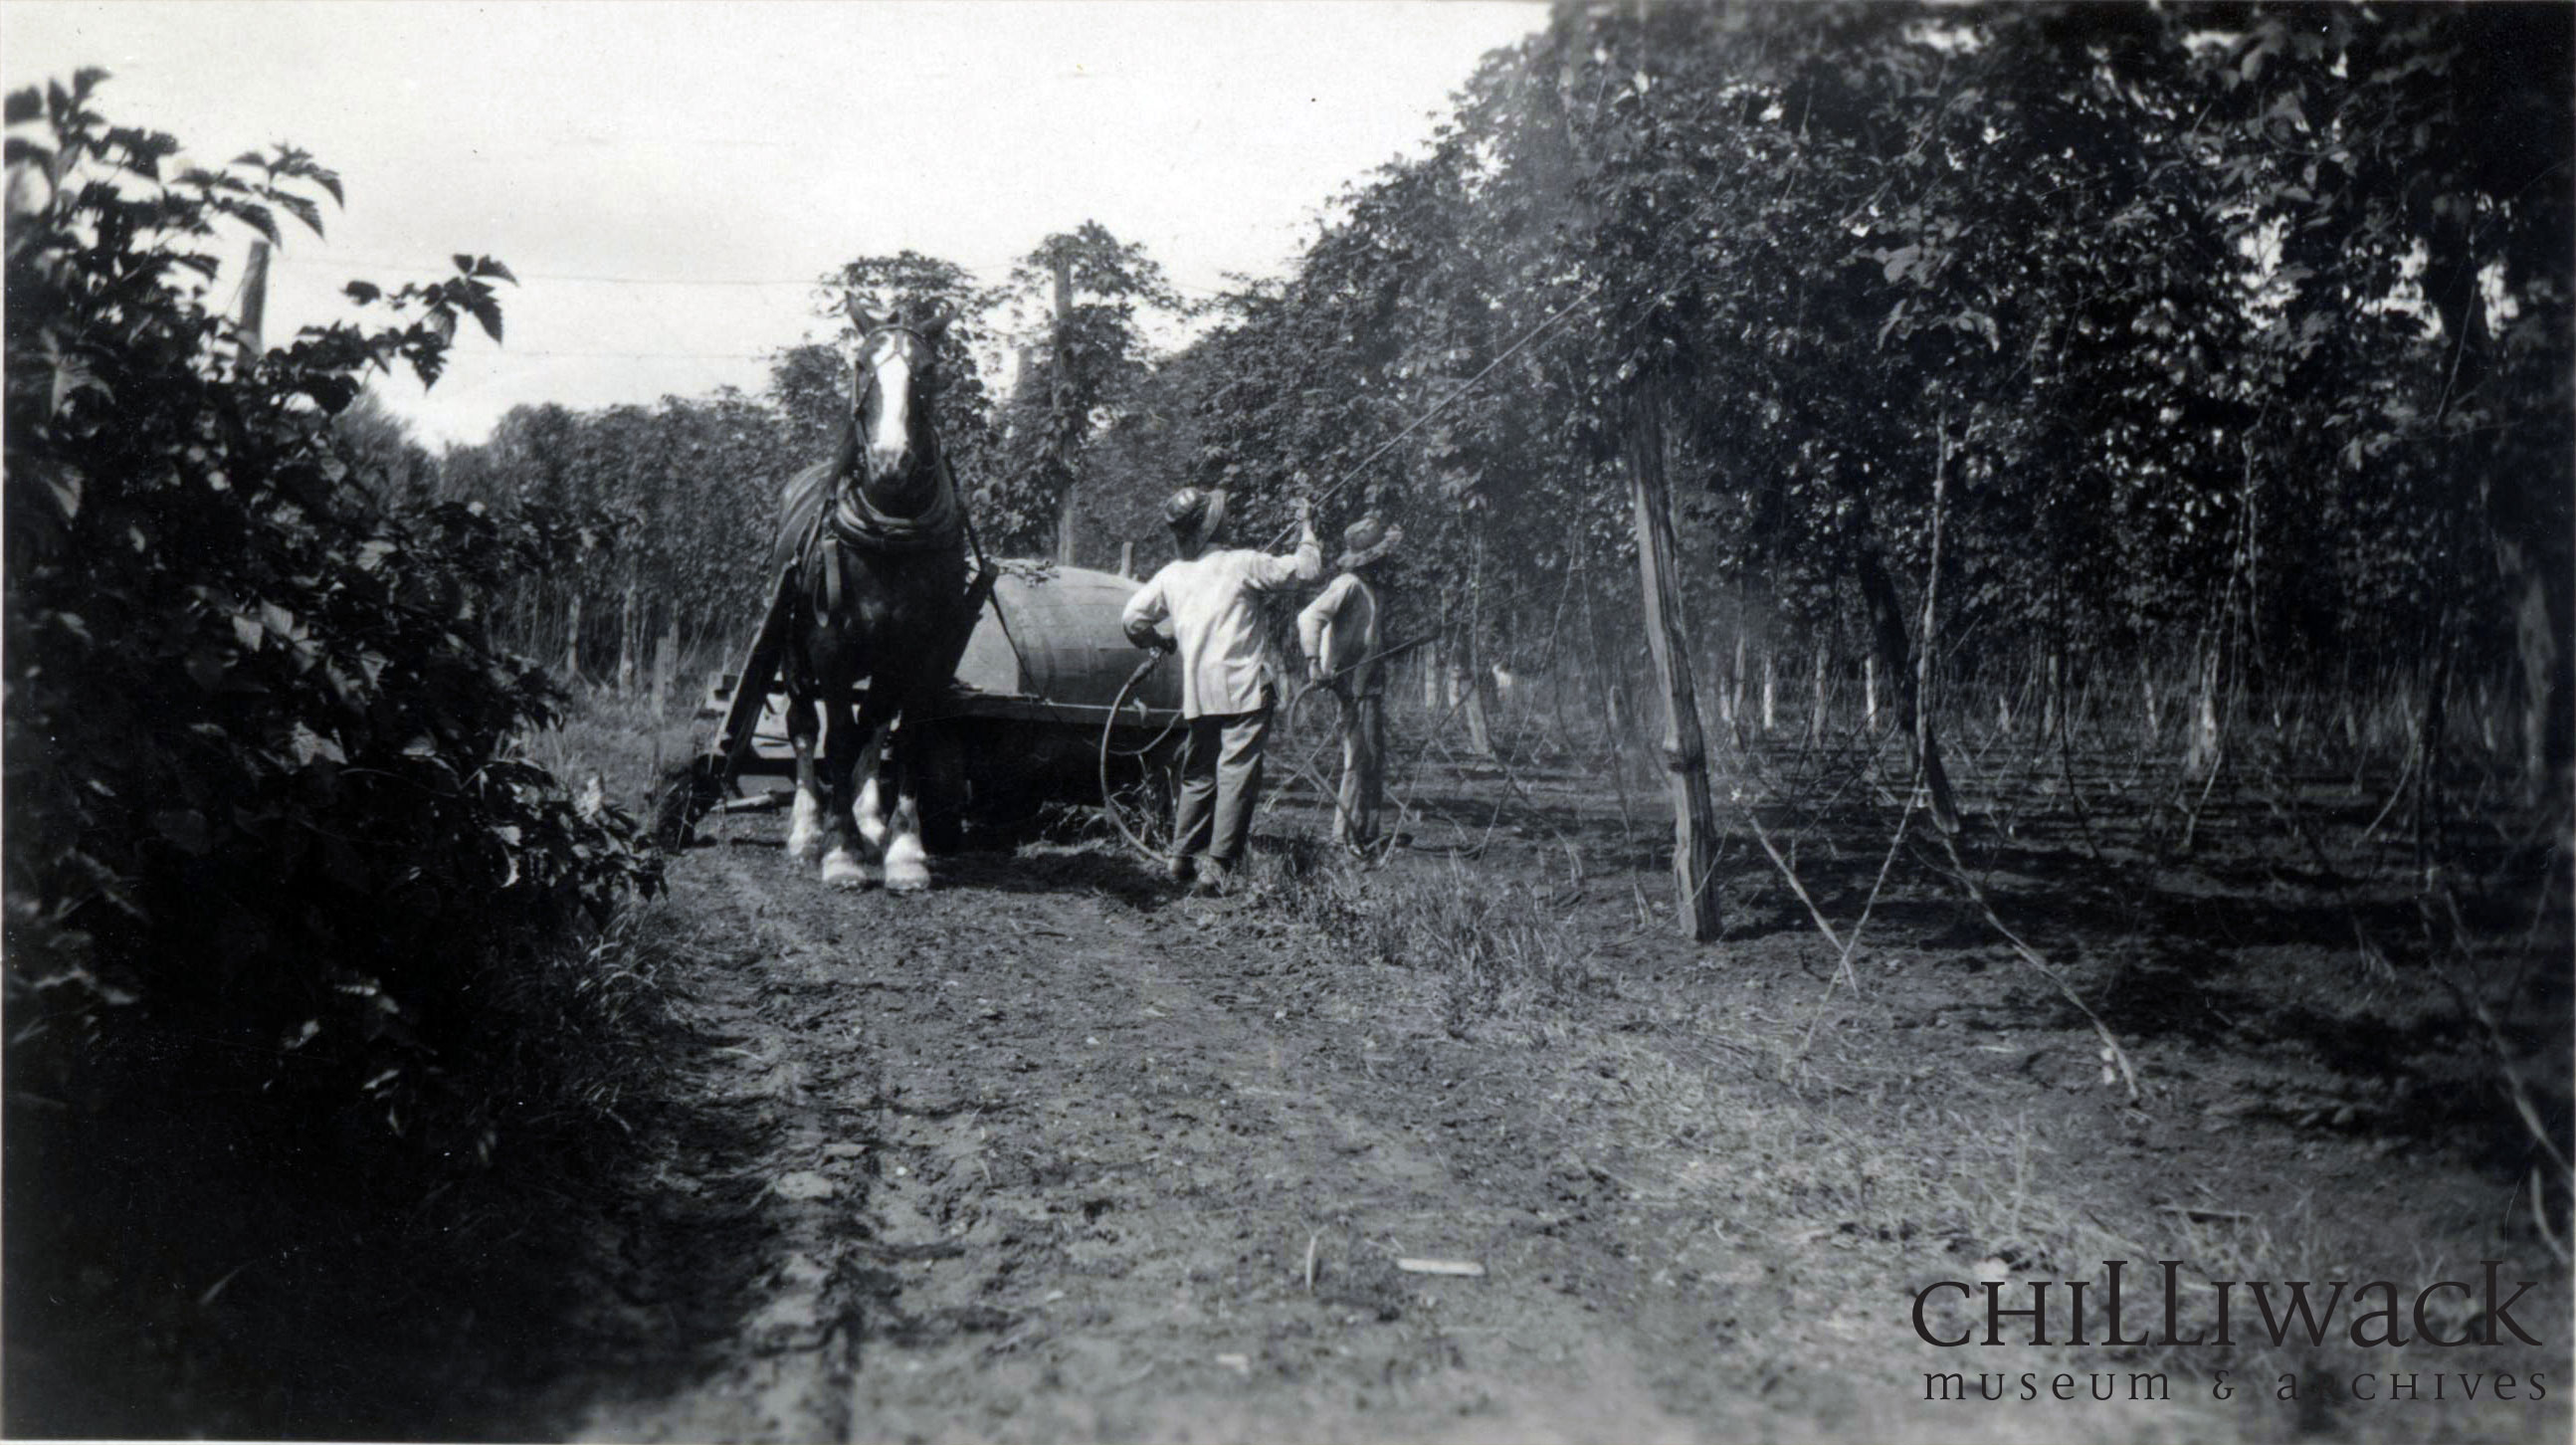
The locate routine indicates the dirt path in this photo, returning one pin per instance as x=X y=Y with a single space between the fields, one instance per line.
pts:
x=1051 y=1164
x=1047 y=1154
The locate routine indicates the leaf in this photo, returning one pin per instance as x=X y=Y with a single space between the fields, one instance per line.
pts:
x=332 y=393
x=489 y=267
x=258 y=218
x=185 y=827
x=488 y=312
x=308 y=745
x=25 y=105
x=363 y=292
x=65 y=488
x=302 y=209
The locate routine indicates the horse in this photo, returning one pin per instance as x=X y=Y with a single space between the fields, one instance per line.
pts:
x=874 y=580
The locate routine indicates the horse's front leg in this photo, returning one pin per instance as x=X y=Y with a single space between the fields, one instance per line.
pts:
x=871 y=816
x=805 y=822
x=907 y=862
x=845 y=861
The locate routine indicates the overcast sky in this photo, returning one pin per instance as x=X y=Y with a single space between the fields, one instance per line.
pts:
x=668 y=179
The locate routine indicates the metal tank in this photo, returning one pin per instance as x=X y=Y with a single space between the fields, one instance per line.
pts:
x=1049 y=647
x=1022 y=725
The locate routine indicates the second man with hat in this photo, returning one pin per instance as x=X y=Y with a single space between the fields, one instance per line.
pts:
x=1343 y=635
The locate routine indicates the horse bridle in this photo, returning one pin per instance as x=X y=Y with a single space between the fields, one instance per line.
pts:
x=859 y=403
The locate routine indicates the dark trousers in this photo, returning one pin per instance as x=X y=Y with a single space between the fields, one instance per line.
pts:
x=1220 y=782
x=1363 y=770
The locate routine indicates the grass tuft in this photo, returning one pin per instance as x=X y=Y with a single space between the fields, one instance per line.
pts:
x=1497 y=944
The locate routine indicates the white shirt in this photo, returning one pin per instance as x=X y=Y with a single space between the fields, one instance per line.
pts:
x=1211 y=605
x=1340 y=628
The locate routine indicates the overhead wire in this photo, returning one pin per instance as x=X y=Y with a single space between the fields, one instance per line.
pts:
x=1437 y=407
x=817 y=281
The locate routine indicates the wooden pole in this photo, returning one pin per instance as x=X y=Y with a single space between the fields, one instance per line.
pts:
x=1668 y=639
x=666 y=662
x=1816 y=717
x=254 y=304
x=629 y=640
x=1923 y=747
x=1887 y=628
x=1063 y=399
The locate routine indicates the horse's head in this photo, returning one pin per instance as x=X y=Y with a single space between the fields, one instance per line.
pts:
x=890 y=429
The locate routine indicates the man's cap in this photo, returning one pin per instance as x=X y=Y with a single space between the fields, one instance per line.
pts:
x=1367 y=540
x=1196 y=513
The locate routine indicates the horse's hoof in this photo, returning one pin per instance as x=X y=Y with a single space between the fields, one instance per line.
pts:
x=842 y=869
x=907 y=868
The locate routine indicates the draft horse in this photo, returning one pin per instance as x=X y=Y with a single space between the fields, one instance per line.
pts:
x=878 y=606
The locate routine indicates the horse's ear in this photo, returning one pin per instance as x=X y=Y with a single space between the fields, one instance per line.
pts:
x=858 y=311
x=941 y=313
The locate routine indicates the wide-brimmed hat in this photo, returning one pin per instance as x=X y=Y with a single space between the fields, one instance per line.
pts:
x=1367 y=540
x=1195 y=513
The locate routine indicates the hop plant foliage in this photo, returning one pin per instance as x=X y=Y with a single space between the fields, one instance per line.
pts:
x=261 y=786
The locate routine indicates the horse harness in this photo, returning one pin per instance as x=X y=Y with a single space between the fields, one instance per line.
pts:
x=850 y=518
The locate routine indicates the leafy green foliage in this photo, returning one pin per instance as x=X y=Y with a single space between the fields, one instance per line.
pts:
x=262 y=784
x=1082 y=376
x=2170 y=301
x=682 y=496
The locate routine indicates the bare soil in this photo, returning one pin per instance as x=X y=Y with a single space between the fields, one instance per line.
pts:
x=1055 y=1153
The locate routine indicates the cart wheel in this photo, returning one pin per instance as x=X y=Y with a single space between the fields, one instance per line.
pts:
x=1139 y=796
x=1308 y=749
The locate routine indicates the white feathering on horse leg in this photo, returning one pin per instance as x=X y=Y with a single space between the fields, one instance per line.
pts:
x=842 y=869
x=805 y=827
x=907 y=864
x=870 y=817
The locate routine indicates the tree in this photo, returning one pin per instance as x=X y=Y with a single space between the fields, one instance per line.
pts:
x=271 y=848
x=1093 y=357
x=2038 y=337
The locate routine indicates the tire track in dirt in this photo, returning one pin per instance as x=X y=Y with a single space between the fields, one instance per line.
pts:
x=782 y=1369
x=1051 y=1155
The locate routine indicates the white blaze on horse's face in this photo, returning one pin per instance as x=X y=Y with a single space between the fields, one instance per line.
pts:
x=887 y=362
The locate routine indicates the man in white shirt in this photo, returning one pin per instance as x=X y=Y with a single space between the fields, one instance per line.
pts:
x=1343 y=633
x=1206 y=606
